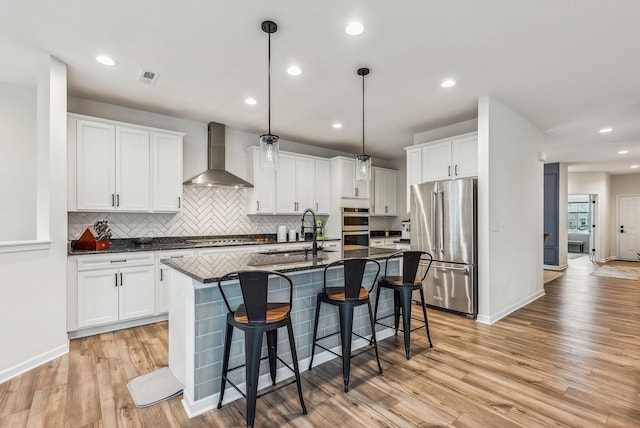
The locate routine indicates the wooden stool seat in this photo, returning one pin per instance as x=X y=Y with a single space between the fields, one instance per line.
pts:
x=275 y=312
x=338 y=293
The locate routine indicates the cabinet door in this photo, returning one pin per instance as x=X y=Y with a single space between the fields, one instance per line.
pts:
x=286 y=184
x=262 y=198
x=378 y=201
x=167 y=172
x=95 y=166
x=464 y=156
x=97 y=297
x=132 y=169
x=163 y=277
x=348 y=178
x=436 y=161
x=322 y=188
x=414 y=171
x=390 y=192
x=305 y=183
x=136 y=292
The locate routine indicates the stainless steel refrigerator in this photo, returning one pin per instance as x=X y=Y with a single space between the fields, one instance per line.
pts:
x=443 y=223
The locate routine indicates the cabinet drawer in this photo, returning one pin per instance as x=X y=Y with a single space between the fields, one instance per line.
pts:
x=115 y=260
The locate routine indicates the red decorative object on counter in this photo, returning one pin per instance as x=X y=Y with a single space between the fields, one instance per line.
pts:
x=89 y=241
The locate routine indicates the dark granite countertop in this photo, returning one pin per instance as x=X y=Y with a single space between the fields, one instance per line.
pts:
x=208 y=268
x=182 y=243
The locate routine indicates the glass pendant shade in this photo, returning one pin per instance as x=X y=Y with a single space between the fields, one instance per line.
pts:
x=363 y=167
x=269 y=150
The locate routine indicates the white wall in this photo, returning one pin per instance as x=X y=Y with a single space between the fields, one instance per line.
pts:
x=597 y=183
x=17 y=162
x=627 y=184
x=33 y=304
x=510 y=211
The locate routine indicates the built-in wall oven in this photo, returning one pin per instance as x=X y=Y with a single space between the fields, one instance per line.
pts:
x=355 y=228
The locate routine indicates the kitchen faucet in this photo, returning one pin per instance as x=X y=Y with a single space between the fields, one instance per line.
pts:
x=314 y=245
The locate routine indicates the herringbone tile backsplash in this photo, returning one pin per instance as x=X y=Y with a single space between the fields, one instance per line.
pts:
x=205 y=211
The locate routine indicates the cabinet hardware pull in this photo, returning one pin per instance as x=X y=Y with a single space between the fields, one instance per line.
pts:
x=113 y=200
x=257 y=205
x=317 y=207
x=117 y=200
x=120 y=279
x=161 y=277
x=386 y=209
x=116 y=279
x=456 y=169
x=449 y=170
x=119 y=261
x=356 y=191
x=176 y=257
x=179 y=202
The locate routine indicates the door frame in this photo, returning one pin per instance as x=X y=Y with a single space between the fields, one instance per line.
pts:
x=618 y=197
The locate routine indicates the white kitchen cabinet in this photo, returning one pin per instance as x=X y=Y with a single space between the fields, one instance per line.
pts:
x=163 y=277
x=382 y=242
x=115 y=166
x=446 y=159
x=295 y=178
x=322 y=186
x=166 y=155
x=116 y=287
x=112 y=167
x=344 y=171
x=261 y=199
x=384 y=202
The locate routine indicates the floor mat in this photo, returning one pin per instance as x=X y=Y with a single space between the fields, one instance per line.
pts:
x=154 y=387
x=622 y=272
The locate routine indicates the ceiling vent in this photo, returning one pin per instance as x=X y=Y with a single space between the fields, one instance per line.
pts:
x=147 y=77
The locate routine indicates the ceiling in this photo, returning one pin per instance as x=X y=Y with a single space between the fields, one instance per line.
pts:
x=568 y=67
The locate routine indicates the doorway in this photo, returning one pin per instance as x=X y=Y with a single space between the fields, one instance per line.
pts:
x=628 y=227
x=581 y=224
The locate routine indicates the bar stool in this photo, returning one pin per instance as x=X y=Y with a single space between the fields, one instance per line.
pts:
x=256 y=316
x=346 y=297
x=403 y=287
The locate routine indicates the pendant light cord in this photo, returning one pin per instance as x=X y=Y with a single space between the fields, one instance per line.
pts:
x=269 y=84
x=363 y=114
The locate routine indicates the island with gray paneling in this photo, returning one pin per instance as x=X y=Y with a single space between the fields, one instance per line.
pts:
x=197 y=317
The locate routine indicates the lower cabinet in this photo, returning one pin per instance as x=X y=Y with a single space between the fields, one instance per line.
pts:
x=162 y=279
x=115 y=288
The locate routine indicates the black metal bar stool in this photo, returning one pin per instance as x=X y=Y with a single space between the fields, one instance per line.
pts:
x=346 y=297
x=255 y=317
x=403 y=287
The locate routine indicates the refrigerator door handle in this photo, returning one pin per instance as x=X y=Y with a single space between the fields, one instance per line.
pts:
x=464 y=269
x=441 y=219
x=434 y=202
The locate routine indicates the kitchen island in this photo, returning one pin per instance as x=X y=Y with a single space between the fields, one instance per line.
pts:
x=197 y=317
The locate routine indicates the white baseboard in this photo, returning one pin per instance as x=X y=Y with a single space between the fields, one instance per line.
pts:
x=198 y=407
x=34 y=362
x=90 y=331
x=554 y=267
x=491 y=319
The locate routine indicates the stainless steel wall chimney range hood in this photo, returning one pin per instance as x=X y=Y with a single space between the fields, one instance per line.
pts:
x=216 y=175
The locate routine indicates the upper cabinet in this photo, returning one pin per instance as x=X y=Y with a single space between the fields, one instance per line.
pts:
x=344 y=170
x=446 y=159
x=300 y=182
x=166 y=155
x=384 y=202
x=120 y=167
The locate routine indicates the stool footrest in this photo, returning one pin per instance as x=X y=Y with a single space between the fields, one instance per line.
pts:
x=370 y=347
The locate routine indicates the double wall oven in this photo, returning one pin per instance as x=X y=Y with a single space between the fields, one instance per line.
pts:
x=355 y=228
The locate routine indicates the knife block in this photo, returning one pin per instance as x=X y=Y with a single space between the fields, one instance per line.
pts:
x=89 y=241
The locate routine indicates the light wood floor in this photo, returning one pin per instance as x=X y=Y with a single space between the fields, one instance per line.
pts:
x=572 y=358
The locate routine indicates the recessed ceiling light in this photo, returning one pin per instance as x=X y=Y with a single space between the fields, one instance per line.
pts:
x=294 y=70
x=105 y=60
x=634 y=166
x=250 y=101
x=623 y=152
x=354 y=28
x=448 y=83
x=605 y=130
x=337 y=125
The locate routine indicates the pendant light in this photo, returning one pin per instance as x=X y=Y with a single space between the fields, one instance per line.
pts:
x=268 y=141
x=363 y=160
